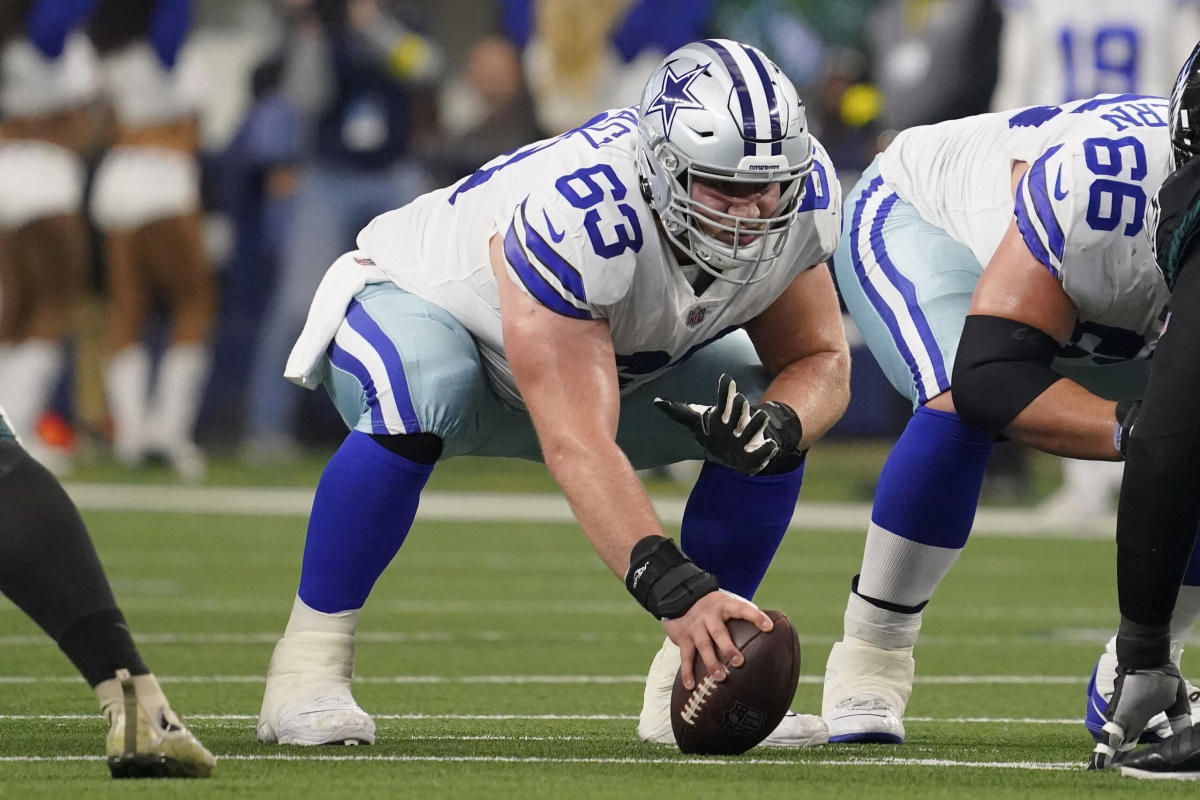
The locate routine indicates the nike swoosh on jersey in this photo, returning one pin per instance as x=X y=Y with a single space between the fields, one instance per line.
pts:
x=1059 y=194
x=555 y=236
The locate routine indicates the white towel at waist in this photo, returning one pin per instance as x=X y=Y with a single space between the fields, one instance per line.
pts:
x=345 y=278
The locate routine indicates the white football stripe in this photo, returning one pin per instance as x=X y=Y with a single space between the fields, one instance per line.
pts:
x=1057 y=766
x=356 y=345
x=1011 y=522
x=926 y=680
x=892 y=298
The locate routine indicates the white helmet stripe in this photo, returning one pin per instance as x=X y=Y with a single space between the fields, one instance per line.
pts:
x=756 y=97
x=776 y=125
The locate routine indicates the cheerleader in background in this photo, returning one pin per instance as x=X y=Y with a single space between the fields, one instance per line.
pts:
x=48 y=86
x=146 y=200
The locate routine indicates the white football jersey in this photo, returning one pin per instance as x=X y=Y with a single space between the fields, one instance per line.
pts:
x=580 y=238
x=1093 y=166
x=1054 y=51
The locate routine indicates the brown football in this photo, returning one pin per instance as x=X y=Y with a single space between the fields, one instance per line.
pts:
x=733 y=715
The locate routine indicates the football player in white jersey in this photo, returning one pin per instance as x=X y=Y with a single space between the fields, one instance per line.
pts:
x=998 y=269
x=1054 y=51
x=539 y=308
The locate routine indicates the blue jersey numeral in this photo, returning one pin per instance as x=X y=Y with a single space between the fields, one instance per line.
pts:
x=584 y=191
x=1107 y=195
x=816 y=193
x=1114 y=58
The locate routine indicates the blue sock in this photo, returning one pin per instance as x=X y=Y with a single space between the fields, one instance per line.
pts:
x=929 y=488
x=365 y=504
x=733 y=523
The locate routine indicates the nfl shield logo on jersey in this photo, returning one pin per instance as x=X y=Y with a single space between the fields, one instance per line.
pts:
x=695 y=315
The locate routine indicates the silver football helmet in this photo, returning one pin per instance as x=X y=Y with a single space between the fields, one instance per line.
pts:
x=721 y=111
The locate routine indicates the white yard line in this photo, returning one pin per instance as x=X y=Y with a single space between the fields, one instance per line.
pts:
x=1055 y=766
x=517 y=507
x=812 y=680
x=1096 y=637
x=249 y=718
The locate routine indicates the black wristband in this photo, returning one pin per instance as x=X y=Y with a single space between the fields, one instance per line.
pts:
x=789 y=432
x=1143 y=646
x=665 y=581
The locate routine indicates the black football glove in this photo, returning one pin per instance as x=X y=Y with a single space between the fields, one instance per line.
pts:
x=1173 y=219
x=1138 y=696
x=750 y=439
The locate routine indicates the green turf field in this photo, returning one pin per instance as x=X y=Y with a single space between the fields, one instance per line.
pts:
x=502 y=660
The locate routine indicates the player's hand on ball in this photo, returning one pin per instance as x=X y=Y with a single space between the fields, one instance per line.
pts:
x=702 y=630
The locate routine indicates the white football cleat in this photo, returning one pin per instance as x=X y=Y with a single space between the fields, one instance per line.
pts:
x=798 y=730
x=146 y=739
x=654 y=723
x=307 y=699
x=866 y=690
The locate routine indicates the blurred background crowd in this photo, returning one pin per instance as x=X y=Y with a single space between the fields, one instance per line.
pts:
x=176 y=175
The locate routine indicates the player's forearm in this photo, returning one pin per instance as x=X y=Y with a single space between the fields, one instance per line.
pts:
x=1068 y=420
x=605 y=496
x=817 y=387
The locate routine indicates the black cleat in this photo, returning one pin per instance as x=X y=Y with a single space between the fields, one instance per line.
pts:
x=1177 y=758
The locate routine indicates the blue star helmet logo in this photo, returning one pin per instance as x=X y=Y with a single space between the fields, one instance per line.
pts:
x=674 y=95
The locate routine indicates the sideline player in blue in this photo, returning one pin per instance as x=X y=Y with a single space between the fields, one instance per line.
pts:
x=998 y=269
x=536 y=309
x=1160 y=497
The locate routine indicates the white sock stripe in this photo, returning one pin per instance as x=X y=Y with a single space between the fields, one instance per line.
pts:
x=899 y=570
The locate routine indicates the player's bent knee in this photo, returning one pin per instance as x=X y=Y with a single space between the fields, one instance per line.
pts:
x=423 y=448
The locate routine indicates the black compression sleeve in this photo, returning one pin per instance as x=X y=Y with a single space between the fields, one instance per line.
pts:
x=1001 y=366
x=49 y=569
x=1160 y=496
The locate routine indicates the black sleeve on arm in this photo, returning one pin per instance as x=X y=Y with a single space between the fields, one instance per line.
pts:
x=1001 y=366
x=1160 y=497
